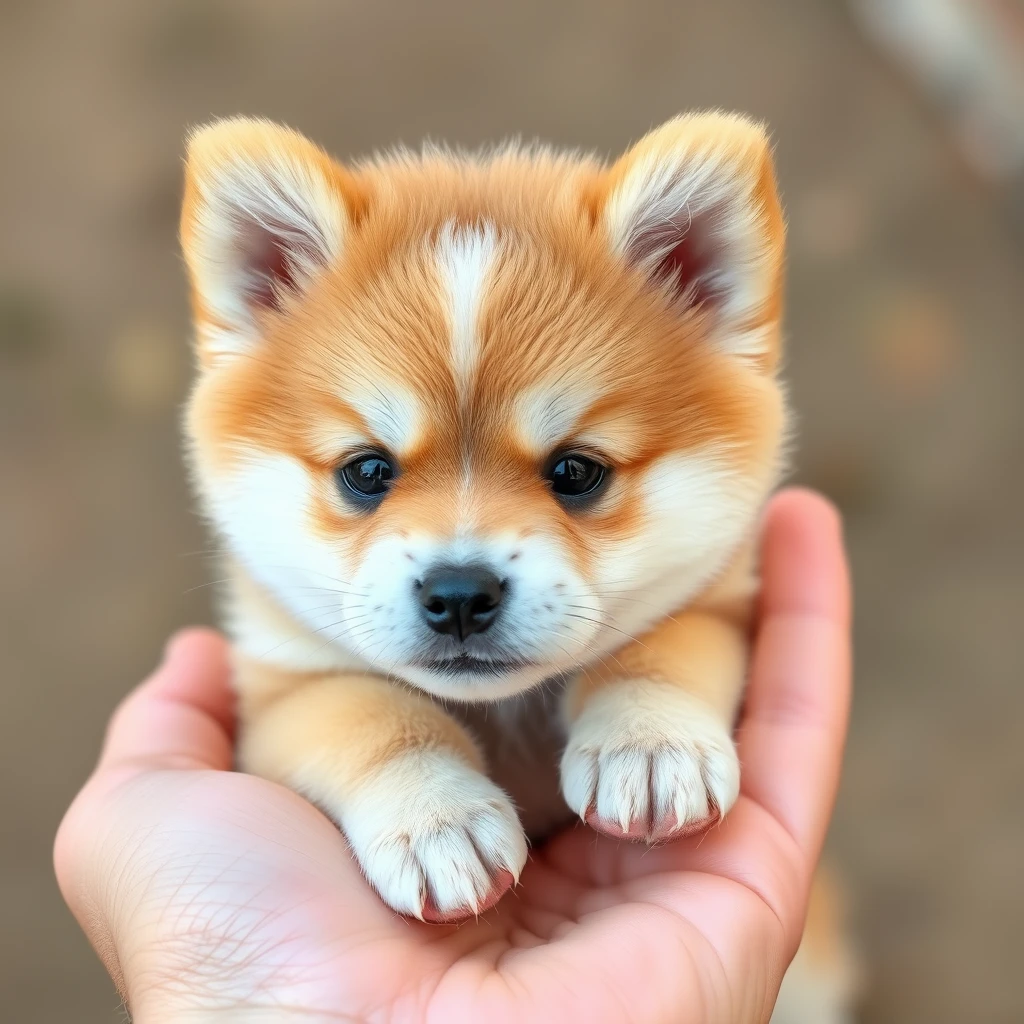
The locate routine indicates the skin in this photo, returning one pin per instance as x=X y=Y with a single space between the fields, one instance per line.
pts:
x=216 y=896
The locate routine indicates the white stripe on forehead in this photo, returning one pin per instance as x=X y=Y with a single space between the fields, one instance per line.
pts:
x=464 y=257
x=391 y=412
x=548 y=414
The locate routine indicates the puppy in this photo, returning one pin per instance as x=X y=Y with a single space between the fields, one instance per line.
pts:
x=486 y=439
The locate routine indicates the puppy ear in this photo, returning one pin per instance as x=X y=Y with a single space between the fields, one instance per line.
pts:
x=694 y=206
x=264 y=212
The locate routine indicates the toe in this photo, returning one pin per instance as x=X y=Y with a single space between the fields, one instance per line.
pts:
x=431 y=914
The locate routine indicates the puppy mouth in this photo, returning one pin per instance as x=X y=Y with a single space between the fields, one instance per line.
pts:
x=466 y=664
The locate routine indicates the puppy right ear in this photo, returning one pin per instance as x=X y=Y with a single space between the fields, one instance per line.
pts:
x=265 y=211
x=694 y=207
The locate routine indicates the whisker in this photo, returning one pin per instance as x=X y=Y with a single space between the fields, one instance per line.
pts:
x=333 y=639
x=602 y=658
x=568 y=657
x=648 y=604
x=218 y=553
x=314 y=629
x=209 y=583
x=321 y=588
x=608 y=625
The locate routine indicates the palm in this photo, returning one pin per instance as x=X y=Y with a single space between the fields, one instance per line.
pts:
x=231 y=891
x=598 y=928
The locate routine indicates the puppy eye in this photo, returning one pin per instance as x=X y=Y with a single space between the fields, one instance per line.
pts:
x=575 y=476
x=367 y=476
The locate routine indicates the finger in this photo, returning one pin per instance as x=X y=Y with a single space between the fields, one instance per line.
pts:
x=182 y=716
x=793 y=728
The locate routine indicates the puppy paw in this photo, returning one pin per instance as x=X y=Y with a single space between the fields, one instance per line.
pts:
x=436 y=838
x=648 y=761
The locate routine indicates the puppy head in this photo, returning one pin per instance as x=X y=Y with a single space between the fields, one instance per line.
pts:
x=476 y=421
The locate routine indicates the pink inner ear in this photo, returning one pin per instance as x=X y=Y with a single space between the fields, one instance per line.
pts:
x=688 y=267
x=273 y=256
x=681 y=251
x=270 y=269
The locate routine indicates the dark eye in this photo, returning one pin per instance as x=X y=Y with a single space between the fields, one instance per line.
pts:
x=367 y=476
x=576 y=476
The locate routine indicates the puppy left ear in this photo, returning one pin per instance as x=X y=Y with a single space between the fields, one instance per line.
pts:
x=694 y=207
x=265 y=212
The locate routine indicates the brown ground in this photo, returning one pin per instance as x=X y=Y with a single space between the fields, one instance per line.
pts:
x=906 y=362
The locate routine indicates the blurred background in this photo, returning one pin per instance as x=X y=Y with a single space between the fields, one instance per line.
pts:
x=899 y=128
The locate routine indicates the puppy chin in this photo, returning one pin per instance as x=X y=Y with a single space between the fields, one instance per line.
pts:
x=473 y=687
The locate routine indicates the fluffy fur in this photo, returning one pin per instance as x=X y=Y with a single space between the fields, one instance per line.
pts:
x=471 y=316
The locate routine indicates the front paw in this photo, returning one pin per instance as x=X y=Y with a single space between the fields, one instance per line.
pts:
x=436 y=838
x=649 y=761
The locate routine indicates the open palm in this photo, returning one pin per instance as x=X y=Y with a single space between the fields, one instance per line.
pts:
x=213 y=895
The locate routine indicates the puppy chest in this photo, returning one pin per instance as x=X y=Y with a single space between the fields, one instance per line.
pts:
x=523 y=738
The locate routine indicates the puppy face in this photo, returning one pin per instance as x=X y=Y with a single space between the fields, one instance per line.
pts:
x=475 y=422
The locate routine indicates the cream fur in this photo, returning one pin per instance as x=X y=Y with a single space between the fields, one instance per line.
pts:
x=472 y=318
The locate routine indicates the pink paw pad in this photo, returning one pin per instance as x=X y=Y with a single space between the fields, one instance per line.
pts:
x=642 y=832
x=504 y=880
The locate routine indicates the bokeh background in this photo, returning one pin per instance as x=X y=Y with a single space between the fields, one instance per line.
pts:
x=901 y=172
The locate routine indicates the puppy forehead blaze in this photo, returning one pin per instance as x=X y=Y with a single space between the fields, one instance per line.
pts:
x=487 y=341
x=473 y=316
x=480 y=345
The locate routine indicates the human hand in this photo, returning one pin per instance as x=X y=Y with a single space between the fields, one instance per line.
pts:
x=216 y=896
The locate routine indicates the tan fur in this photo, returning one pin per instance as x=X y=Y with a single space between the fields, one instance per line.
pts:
x=701 y=649
x=472 y=316
x=326 y=735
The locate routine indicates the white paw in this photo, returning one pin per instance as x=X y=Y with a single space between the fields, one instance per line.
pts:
x=437 y=839
x=649 y=761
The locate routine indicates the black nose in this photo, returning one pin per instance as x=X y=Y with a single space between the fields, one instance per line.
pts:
x=460 y=601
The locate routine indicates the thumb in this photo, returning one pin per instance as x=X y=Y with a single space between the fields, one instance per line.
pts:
x=182 y=716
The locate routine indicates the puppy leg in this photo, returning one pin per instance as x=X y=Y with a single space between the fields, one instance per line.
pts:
x=435 y=837
x=650 y=753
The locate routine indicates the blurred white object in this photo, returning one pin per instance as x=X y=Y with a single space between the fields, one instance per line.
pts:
x=968 y=56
